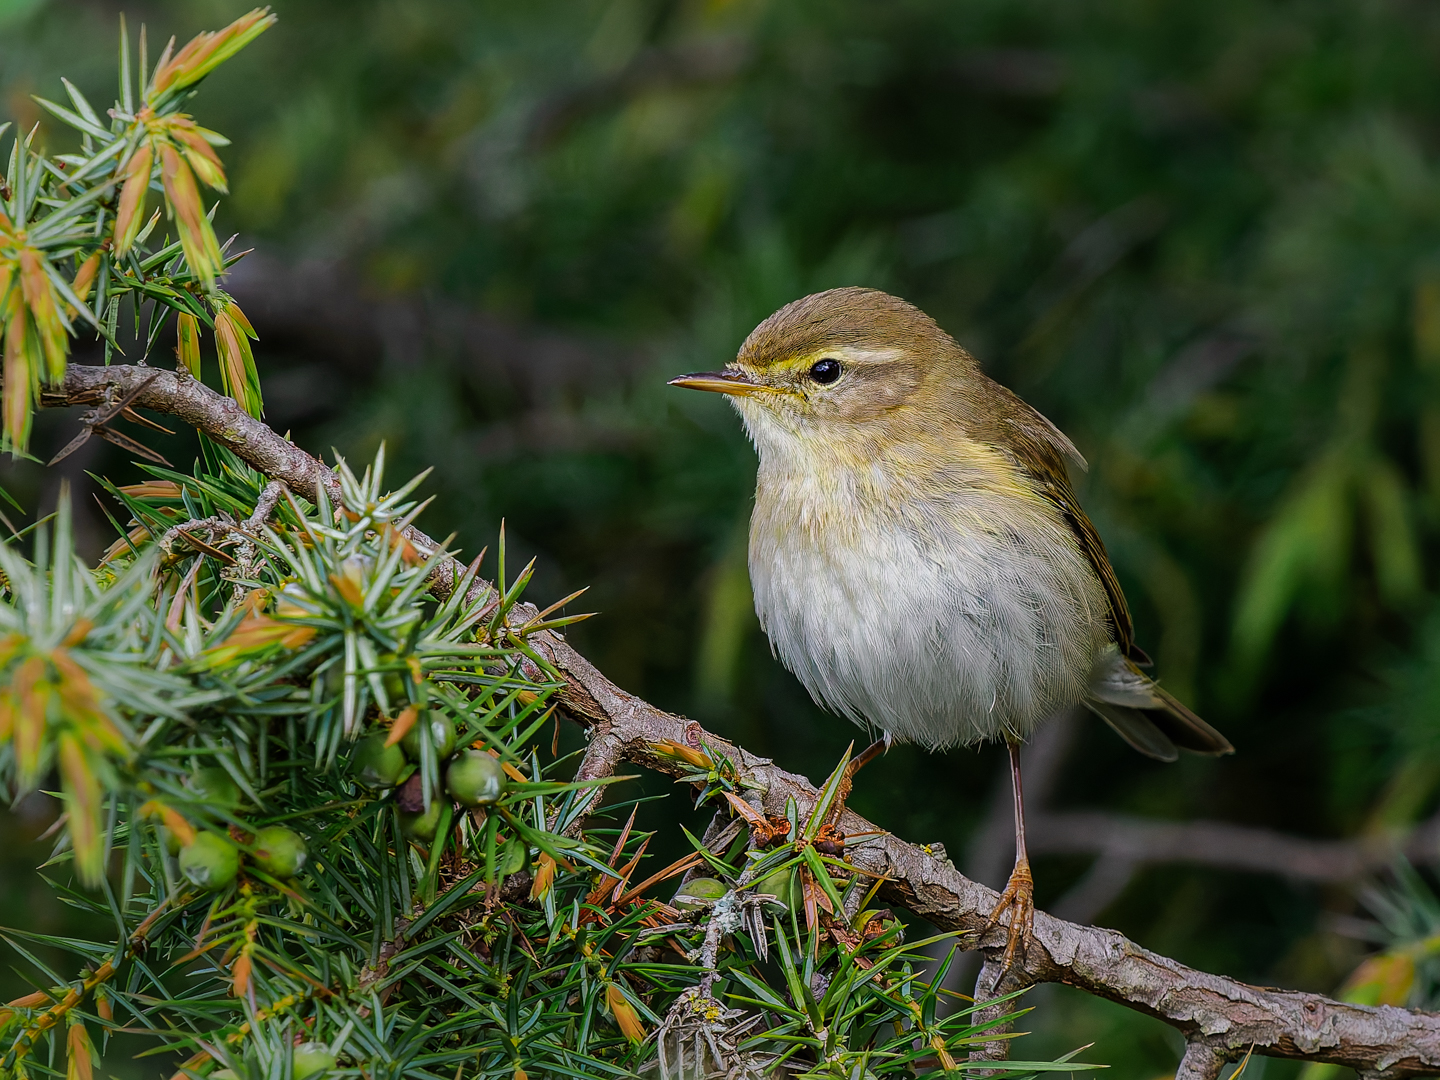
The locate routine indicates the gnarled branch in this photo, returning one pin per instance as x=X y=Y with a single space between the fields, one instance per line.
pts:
x=1221 y=1018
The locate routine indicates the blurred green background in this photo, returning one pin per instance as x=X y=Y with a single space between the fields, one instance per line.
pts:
x=1203 y=238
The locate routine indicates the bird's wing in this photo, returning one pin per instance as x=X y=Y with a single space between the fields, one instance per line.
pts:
x=1058 y=491
x=1144 y=714
x=1039 y=448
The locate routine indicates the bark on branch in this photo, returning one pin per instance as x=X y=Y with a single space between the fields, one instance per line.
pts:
x=1220 y=1017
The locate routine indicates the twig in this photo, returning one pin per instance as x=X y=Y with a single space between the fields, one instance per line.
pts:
x=29 y=1031
x=1227 y=1016
x=1221 y=844
x=1200 y=1062
x=222 y=523
x=264 y=506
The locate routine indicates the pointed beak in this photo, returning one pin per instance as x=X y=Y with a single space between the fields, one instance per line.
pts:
x=729 y=381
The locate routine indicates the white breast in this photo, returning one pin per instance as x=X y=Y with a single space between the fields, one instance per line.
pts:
x=926 y=619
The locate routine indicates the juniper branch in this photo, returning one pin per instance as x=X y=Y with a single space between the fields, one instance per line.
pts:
x=1220 y=1017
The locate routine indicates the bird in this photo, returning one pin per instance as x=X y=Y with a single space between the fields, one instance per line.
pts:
x=917 y=554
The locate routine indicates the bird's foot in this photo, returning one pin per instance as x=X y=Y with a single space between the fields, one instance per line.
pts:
x=1019 y=900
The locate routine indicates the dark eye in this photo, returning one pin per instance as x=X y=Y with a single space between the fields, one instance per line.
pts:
x=825 y=371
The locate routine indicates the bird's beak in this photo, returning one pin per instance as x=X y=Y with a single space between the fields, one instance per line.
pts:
x=729 y=381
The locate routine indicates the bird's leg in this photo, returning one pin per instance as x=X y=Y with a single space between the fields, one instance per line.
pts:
x=847 y=781
x=1019 y=895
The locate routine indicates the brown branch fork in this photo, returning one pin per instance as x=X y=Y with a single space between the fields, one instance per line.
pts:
x=1220 y=1018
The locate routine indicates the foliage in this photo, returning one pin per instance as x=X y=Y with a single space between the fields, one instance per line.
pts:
x=75 y=225
x=218 y=695
x=1200 y=237
x=308 y=793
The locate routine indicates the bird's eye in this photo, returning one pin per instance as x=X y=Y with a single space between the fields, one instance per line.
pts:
x=825 y=371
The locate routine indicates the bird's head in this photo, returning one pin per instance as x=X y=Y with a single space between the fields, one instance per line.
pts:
x=841 y=368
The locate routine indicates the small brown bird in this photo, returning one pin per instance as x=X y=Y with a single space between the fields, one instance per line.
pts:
x=918 y=557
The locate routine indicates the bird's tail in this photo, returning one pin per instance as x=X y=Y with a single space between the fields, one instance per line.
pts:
x=1146 y=716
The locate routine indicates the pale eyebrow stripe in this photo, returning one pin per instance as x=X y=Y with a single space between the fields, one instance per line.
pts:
x=869 y=357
